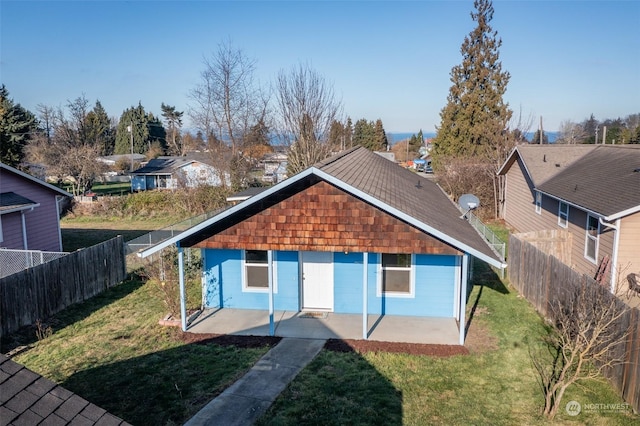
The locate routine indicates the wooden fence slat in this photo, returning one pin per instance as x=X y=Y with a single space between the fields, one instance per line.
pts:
x=41 y=291
x=545 y=281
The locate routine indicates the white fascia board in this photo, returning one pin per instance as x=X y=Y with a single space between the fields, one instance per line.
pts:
x=177 y=238
x=513 y=152
x=610 y=218
x=21 y=208
x=36 y=180
x=622 y=214
x=410 y=219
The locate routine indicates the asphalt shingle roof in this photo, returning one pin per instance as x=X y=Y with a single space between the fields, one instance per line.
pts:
x=13 y=201
x=28 y=398
x=606 y=180
x=405 y=191
x=544 y=161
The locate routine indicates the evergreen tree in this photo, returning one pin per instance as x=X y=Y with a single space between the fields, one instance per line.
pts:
x=16 y=126
x=145 y=127
x=476 y=116
x=364 y=134
x=99 y=129
x=380 y=137
x=173 y=119
x=536 y=138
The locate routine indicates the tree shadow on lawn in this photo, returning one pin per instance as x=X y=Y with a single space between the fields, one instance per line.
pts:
x=29 y=334
x=169 y=386
x=76 y=238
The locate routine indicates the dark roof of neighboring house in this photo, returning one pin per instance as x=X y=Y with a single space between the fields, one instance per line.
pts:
x=385 y=185
x=544 y=161
x=162 y=166
x=5 y=167
x=28 y=398
x=12 y=202
x=605 y=181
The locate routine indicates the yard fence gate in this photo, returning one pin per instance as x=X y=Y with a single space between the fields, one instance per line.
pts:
x=39 y=292
x=544 y=281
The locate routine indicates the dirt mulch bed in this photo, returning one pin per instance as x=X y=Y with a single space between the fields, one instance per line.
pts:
x=363 y=346
x=336 y=345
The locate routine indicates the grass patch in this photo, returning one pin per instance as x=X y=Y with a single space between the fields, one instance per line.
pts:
x=111 y=351
x=496 y=386
x=112 y=188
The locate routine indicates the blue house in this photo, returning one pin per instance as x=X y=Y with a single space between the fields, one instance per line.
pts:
x=353 y=234
x=173 y=172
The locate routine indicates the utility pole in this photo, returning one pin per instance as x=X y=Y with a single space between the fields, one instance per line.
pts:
x=540 y=130
x=130 y=129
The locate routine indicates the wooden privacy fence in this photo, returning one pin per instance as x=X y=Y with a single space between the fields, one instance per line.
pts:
x=545 y=281
x=39 y=292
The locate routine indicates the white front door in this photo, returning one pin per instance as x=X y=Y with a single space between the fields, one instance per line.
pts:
x=317 y=280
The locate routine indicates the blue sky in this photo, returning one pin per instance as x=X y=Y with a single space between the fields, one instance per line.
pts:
x=387 y=60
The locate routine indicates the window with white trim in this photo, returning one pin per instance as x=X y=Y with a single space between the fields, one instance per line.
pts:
x=396 y=277
x=563 y=214
x=592 y=238
x=538 y=202
x=255 y=271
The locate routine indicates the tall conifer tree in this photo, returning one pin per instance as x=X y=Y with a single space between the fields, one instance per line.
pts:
x=475 y=118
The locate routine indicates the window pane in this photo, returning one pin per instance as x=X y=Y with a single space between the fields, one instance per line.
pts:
x=396 y=281
x=257 y=276
x=396 y=260
x=256 y=256
x=591 y=248
x=592 y=226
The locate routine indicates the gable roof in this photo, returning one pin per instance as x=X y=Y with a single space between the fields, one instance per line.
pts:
x=28 y=398
x=162 y=166
x=5 y=167
x=380 y=183
x=11 y=202
x=605 y=181
x=544 y=161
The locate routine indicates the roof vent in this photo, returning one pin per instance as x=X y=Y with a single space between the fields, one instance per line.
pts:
x=636 y=170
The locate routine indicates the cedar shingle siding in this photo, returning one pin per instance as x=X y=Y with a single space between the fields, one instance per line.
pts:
x=325 y=218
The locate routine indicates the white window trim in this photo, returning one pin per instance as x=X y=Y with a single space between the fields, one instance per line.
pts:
x=412 y=280
x=596 y=238
x=560 y=215
x=246 y=288
x=538 y=202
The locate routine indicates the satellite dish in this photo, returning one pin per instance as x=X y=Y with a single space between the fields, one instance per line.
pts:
x=468 y=202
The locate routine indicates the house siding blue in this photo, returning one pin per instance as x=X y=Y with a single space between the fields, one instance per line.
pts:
x=435 y=283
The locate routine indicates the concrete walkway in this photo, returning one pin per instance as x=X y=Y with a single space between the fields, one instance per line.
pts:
x=250 y=397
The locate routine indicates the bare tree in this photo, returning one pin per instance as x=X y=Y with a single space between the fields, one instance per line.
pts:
x=65 y=149
x=588 y=335
x=227 y=102
x=307 y=107
x=571 y=133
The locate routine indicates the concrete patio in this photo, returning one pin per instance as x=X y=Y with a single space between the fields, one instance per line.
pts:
x=248 y=322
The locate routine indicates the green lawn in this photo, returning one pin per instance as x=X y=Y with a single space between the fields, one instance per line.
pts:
x=112 y=352
x=491 y=386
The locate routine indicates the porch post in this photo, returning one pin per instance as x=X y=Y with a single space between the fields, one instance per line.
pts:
x=272 y=331
x=365 y=279
x=463 y=296
x=183 y=299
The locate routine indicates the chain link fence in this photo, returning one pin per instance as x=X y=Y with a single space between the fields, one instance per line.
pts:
x=13 y=261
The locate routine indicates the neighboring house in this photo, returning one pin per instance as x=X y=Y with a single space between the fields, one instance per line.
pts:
x=387 y=154
x=335 y=235
x=30 y=399
x=112 y=160
x=29 y=211
x=587 y=194
x=173 y=172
